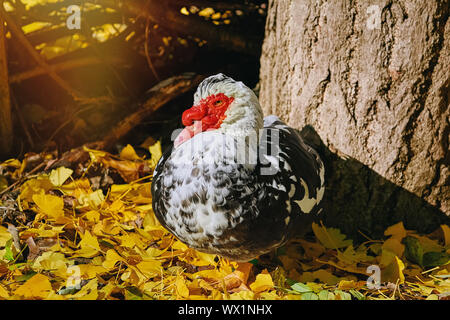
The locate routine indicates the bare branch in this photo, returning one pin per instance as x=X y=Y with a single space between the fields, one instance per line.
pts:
x=161 y=94
x=6 y=130
x=36 y=56
x=190 y=26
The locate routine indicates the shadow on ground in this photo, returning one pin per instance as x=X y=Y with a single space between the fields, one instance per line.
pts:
x=359 y=200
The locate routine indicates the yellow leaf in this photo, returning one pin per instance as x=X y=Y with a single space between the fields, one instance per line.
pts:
x=182 y=289
x=36 y=287
x=207 y=12
x=92 y=199
x=394 y=272
x=242 y=295
x=345 y=267
x=350 y=256
x=44 y=231
x=272 y=295
x=51 y=261
x=50 y=205
x=397 y=231
x=330 y=238
x=446 y=230
x=112 y=257
x=76 y=187
x=216 y=295
x=116 y=206
x=262 y=283
x=149 y=268
x=89 y=246
x=128 y=153
x=156 y=152
x=87 y=292
x=394 y=245
x=11 y=163
x=3 y=292
x=184 y=11
x=206 y=258
x=95 y=154
x=35 y=26
x=59 y=176
x=106 y=291
x=89 y=271
x=346 y=284
x=4 y=236
x=93 y=216
x=40 y=185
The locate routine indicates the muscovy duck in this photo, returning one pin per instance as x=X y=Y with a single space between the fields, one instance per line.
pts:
x=233 y=183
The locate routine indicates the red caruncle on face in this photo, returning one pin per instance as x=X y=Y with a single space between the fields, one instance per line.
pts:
x=206 y=116
x=210 y=111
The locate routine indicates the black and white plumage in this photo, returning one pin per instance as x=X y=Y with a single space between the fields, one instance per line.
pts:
x=242 y=186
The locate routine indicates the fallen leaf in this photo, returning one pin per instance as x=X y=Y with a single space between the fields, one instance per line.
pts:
x=433 y=259
x=309 y=296
x=301 y=287
x=414 y=251
x=330 y=238
x=156 y=152
x=128 y=153
x=397 y=231
x=446 y=230
x=91 y=199
x=36 y=287
x=262 y=283
x=4 y=236
x=50 y=205
x=322 y=275
x=59 y=176
x=3 y=292
x=89 y=246
x=181 y=288
x=394 y=271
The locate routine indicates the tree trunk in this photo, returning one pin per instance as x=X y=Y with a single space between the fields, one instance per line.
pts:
x=373 y=83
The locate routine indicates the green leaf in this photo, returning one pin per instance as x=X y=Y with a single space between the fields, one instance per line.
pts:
x=69 y=290
x=343 y=295
x=325 y=295
x=254 y=262
x=26 y=276
x=434 y=259
x=133 y=293
x=290 y=282
x=309 y=296
x=358 y=295
x=9 y=255
x=414 y=250
x=301 y=287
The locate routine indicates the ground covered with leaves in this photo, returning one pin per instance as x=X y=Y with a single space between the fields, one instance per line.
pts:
x=82 y=227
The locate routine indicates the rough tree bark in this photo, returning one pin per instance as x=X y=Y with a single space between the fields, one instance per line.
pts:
x=372 y=79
